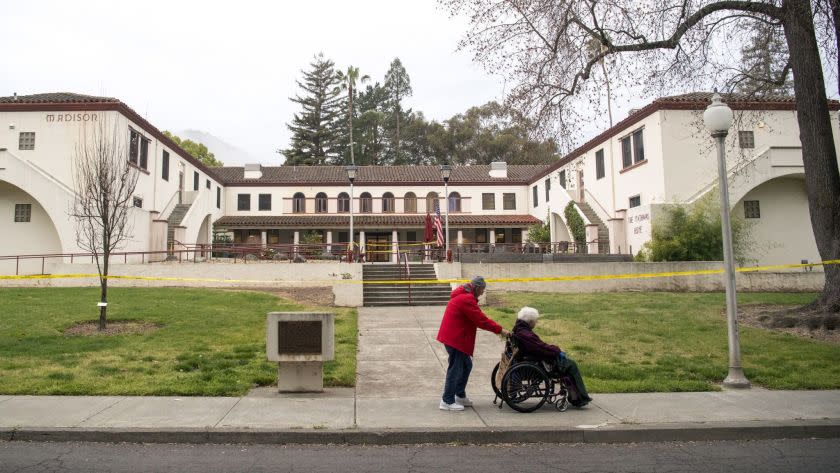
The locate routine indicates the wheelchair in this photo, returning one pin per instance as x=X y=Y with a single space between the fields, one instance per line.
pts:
x=528 y=383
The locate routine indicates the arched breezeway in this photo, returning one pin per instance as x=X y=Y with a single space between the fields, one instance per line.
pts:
x=778 y=221
x=28 y=229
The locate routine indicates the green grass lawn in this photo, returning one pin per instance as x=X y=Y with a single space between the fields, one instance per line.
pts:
x=643 y=342
x=210 y=342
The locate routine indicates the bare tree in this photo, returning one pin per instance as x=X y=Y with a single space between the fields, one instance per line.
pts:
x=545 y=48
x=105 y=184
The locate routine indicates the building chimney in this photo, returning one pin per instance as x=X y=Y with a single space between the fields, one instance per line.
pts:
x=15 y=97
x=498 y=169
x=253 y=171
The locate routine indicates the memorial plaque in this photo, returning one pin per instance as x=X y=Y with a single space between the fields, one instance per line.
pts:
x=299 y=337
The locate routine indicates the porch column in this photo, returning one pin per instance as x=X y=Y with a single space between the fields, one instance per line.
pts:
x=362 y=242
x=296 y=241
x=592 y=239
x=524 y=235
x=264 y=238
x=395 y=247
x=329 y=241
x=492 y=240
x=460 y=238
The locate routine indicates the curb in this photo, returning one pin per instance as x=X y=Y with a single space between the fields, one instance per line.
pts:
x=619 y=433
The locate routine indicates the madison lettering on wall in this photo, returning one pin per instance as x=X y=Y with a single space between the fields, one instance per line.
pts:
x=72 y=117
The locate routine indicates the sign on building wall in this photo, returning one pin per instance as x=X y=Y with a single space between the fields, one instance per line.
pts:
x=71 y=117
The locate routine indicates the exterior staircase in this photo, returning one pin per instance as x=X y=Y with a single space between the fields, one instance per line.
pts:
x=378 y=294
x=173 y=221
x=603 y=233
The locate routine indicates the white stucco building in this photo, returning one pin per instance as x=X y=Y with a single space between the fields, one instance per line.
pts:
x=619 y=182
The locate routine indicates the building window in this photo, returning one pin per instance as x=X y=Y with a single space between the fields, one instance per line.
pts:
x=516 y=235
x=411 y=236
x=410 y=203
x=563 y=179
x=599 y=164
x=488 y=201
x=481 y=235
x=195 y=180
x=366 y=203
x=635 y=201
x=752 y=209
x=343 y=203
x=321 y=202
x=138 y=150
x=626 y=152
x=207 y=184
x=454 y=202
x=547 y=188
x=746 y=139
x=218 y=197
x=509 y=201
x=638 y=146
x=137 y=202
x=535 y=196
x=500 y=235
x=431 y=200
x=26 y=140
x=243 y=202
x=344 y=237
x=264 y=202
x=388 y=203
x=23 y=212
x=299 y=203
x=164 y=173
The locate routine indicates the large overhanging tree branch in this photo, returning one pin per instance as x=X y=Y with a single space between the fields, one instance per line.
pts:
x=545 y=48
x=105 y=184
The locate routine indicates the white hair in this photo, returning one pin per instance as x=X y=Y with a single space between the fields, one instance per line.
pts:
x=528 y=314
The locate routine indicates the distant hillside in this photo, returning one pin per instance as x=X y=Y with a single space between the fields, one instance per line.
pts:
x=224 y=151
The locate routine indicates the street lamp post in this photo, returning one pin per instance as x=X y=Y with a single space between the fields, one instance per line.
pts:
x=351 y=175
x=445 y=171
x=718 y=119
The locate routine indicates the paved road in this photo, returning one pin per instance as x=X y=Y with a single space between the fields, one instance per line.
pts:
x=765 y=456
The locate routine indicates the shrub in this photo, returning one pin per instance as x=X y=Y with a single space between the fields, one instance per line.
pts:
x=576 y=226
x=540 y=233
x=693 y=233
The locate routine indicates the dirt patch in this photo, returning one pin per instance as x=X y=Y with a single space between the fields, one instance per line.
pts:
x=309 y=296
x=117 y=327
x=779 y=318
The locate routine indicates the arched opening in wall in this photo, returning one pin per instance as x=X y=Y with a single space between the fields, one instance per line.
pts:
x=343 y=203
x=410 y=203
x=203 y=236
x=321 y=203
x=29 y=230
x=777 y=223
x=560 y=233
x=431 y=199
x=299 y=203
x=388 y=203
x=366 y=203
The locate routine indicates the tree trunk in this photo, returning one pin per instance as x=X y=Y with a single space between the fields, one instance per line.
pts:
x=350 y=120
x=103 y=297
x=397 y=156
x=822 y=178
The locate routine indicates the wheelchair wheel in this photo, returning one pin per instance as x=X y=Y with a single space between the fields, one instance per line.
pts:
x=493 y=381
x=525 y=387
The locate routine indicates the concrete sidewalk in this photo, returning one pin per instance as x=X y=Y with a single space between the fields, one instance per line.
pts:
x=400 y=373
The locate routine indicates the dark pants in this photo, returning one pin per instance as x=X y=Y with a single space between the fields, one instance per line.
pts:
x=567 y=367
x=457 y=375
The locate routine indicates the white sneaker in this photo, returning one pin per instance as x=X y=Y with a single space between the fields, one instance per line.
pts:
x=450 y=407
x=464 y=401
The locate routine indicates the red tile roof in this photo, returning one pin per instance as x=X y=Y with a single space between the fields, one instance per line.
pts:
x=375 y=221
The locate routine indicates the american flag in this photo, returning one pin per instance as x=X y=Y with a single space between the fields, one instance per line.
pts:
x=438 y=224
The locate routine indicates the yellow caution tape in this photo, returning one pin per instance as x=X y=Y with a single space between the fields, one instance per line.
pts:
x=441 y=281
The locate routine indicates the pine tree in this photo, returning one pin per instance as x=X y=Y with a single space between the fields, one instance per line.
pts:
x=398 y=85
x=764 y=59
x=372 y=108
x=317 y=129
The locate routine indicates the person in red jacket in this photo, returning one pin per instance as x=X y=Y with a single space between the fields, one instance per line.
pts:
x=457 y=333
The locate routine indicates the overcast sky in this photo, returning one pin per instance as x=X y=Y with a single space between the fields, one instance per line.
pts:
x=228 y=68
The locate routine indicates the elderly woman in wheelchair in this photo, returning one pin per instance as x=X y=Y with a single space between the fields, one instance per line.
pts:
x=533 y=372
